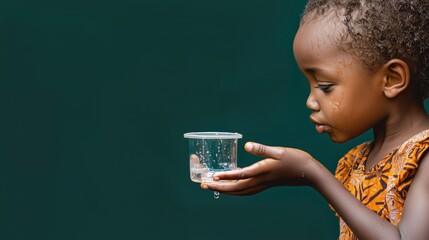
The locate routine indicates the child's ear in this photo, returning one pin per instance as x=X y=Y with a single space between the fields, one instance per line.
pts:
x=396 y=77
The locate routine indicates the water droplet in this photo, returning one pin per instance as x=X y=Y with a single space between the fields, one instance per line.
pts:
x=216 y=194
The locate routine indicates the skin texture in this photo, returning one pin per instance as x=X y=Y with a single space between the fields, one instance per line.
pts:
x=346 y=100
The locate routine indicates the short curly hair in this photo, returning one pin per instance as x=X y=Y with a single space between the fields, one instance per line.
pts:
x=380 y=30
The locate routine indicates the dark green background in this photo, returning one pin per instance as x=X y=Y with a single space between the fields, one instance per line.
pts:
x=95 y=97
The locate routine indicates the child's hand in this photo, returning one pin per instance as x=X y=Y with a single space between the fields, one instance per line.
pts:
x=282 y=166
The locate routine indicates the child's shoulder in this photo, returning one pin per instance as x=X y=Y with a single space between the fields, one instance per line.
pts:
x=420 y=139
x=414 y=148
x=411 y=150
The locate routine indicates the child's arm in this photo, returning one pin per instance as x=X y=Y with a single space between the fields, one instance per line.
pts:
x=415 y=218
x=285 y=166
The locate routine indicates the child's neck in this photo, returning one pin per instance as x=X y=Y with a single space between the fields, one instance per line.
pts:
x=395 y=130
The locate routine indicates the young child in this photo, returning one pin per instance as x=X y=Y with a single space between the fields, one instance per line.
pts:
x=367 y=64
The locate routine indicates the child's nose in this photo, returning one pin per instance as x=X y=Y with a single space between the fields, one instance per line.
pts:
x=312 y=104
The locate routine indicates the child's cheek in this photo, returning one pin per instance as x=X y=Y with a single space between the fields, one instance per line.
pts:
x=334 y=105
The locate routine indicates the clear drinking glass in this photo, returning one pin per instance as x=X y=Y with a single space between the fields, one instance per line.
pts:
x=211 y=152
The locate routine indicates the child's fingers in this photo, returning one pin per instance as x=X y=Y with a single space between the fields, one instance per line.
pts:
x=263 y=150
x=229 y=175
x=249 y=191
x=251 y=171
x=235 y=188
x=246 y=192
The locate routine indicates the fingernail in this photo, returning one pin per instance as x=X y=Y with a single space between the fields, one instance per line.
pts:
x=248 y=146
x=203 y=186
x=215 y=177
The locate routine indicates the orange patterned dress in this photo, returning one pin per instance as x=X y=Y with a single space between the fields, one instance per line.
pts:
x=384 y=187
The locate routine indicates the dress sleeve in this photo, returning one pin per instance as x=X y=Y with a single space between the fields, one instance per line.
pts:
x=404 y=168
x=412 y=155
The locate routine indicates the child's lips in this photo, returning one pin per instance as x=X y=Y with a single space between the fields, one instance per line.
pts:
x=321 y=128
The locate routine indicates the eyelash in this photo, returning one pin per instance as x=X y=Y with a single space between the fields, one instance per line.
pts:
x=325 y=87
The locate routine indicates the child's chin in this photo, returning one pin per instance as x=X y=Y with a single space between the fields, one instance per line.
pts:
x=338 y=139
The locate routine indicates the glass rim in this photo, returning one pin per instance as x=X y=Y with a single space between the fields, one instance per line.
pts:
x=212 y=135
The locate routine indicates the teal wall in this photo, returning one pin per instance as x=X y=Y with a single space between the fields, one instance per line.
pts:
x=95 y=97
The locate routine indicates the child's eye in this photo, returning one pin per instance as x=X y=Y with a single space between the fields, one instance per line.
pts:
x=324 y=87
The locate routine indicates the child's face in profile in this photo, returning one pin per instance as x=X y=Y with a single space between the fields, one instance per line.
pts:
x=346 y=99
